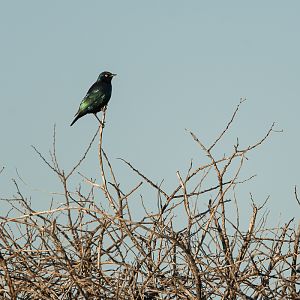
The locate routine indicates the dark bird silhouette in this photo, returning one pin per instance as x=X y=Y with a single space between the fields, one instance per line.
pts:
x=97 y=96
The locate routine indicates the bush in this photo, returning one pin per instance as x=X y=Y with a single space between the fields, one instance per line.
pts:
x=92 y=248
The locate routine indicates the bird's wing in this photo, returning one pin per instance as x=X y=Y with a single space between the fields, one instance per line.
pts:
x=93 y=96
x=95 y=88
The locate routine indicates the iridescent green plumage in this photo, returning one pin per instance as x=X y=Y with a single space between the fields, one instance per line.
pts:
x=97 y=96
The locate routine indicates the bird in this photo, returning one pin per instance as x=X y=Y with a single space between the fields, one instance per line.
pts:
x=97 y=96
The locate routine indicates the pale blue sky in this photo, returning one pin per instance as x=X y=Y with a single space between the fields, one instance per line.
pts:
x=179 y=64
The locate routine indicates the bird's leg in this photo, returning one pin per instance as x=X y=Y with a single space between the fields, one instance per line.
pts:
x=102 y=124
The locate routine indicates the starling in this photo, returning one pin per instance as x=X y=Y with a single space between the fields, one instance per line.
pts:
x=97 y=96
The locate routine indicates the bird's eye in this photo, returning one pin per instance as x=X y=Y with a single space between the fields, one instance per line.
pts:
x=106 y=75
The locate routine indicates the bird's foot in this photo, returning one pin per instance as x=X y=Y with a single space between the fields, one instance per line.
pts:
x=100 y=122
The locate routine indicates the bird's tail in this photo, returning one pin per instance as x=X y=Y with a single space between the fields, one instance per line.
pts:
x=76 y=118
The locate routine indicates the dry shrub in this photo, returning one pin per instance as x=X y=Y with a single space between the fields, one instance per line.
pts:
x=96 y=247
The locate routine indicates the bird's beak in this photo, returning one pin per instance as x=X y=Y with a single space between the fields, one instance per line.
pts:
x=113 y=75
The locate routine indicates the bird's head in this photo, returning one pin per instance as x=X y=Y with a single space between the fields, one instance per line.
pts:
x=106 y=76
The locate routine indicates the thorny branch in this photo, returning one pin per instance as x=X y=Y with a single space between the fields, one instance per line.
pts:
x=104 y=243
